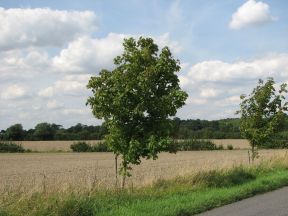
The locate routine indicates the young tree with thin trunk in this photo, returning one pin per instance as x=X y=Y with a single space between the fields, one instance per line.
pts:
x=262 y=113
x=136 y=100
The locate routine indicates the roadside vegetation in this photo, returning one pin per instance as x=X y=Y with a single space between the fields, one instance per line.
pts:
x=184 y=195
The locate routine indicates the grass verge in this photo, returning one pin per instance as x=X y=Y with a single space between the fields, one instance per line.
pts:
x=181 y=196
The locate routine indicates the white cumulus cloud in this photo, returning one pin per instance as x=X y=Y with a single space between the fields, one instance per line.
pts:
x=274 y=65
x=221 y=83
x=13 y=92
x=209 y=93
x=86 y=54
x=21 y=27
x=22 y=64
x=251 y=13
x=89 y=55
x=54 y=104
x=76 y=112
x=71 y=85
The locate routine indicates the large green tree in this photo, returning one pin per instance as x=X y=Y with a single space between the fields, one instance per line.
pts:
x=15 y=132
x=262 y=113
x=45 y=131
x=136 y=100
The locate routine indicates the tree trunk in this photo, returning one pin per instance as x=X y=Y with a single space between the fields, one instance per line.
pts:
x=253 y=153
x=116 y=170
x=124 y=174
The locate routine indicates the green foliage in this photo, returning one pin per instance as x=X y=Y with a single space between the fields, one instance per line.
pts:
x=136 y=100
x=3 y=213
x=195 y=145
x=101 y=147
x=275 y=144
x=85 y=147
x=204 y=129
x=14 y=132
x=81 y=147
x=45 y=131
x=181 y=129
x=185 y=145
x=76 y=207
x=262 y=113
x=230 y=147
x=8 y=147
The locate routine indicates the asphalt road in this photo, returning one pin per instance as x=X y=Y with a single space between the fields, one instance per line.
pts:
x=273 y=203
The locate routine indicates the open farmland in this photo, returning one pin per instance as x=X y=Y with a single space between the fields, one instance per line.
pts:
x=60 y=171
x=236 y=143
x=46 y=146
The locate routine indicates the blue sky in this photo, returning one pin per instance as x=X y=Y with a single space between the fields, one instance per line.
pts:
x=49 y=49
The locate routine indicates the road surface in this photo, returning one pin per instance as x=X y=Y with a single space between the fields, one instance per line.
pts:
x=273 y=203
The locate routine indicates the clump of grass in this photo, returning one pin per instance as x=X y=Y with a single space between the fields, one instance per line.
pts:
x=224 y=178
x=76 y=206
x=3 y=213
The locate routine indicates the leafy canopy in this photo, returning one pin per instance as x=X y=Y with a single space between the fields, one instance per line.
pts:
x=262 y=112
x=136 y=100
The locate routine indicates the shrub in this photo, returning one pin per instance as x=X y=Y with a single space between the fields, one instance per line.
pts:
x=81 y=147
x=85 y=147
x=275 y=144
x=196 y=145
x=220 y=147
x=101 y=147
x=230 y=147
x=8 y=147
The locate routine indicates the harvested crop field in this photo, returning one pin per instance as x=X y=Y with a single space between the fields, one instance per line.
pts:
x=48 y=146
x=59 y=171
x=236 y=143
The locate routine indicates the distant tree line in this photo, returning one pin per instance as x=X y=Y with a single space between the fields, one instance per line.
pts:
x=46 y=131
x=204 y=129
x=182 y=129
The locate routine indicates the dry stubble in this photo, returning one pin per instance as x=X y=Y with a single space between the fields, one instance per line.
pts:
x=59 y=171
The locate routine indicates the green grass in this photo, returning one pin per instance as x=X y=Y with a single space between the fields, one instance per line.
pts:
x=181 y=196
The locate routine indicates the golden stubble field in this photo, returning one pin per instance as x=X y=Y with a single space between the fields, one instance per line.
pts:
x=48 y=172
x=48 y=146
